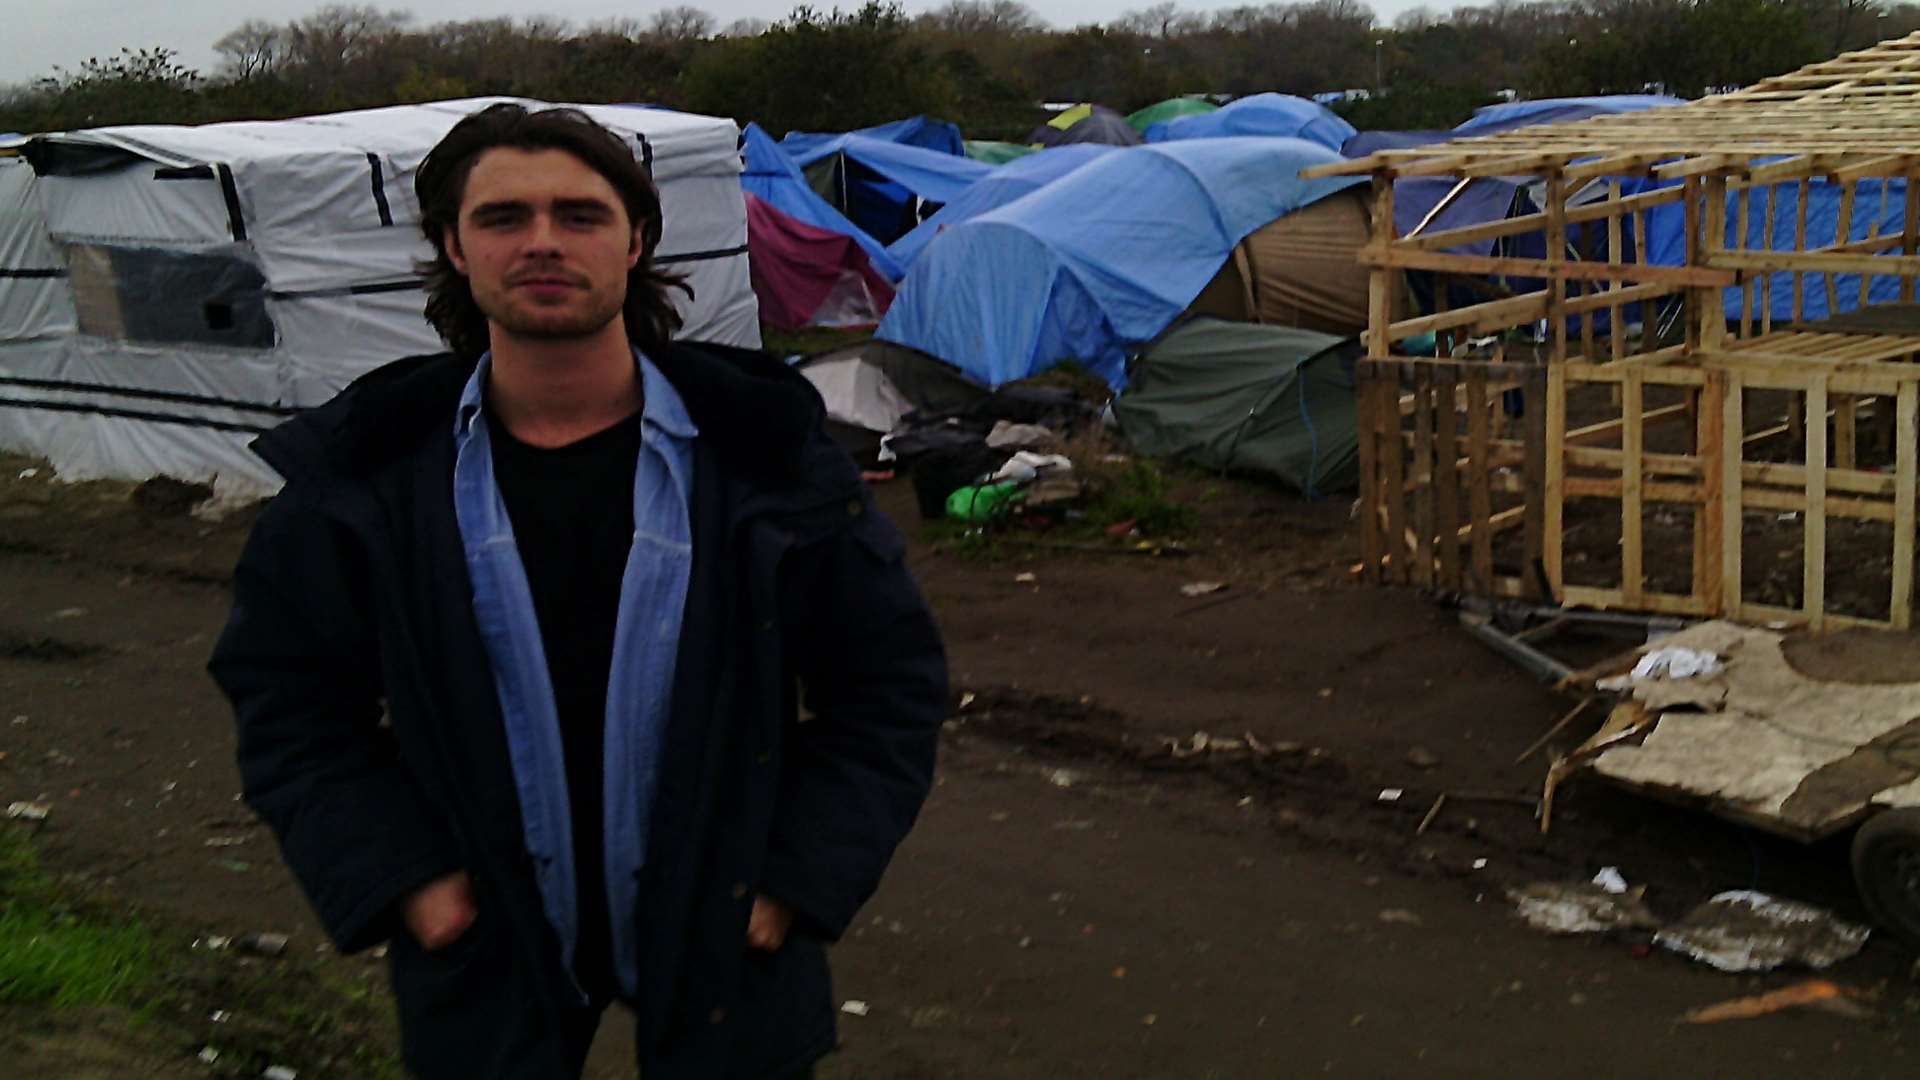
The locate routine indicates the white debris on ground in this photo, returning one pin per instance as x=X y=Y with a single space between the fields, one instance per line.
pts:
x=1751 y=931
x=1580 y=908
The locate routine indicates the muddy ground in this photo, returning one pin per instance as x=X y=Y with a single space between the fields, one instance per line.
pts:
x=1079 y=899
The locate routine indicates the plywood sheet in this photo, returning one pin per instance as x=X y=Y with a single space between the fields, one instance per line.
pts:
x=1764 y=740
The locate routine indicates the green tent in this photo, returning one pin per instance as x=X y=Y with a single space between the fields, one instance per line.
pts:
x=1170 y=109
x=1277 y=401
x=997 y=153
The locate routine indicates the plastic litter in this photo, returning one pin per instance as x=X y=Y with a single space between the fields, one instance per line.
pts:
x=1008 y=433
x=1201 y=588
x=1610 y=879
x=1027 y=465
x=29 y=811
x=261 y=944
x=1676 y=662
x=983 y=502
x=1579 y=908
x=854 y=1007
x=1751 y=931
x=1814 y=993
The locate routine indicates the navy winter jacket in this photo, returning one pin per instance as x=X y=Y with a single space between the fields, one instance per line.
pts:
x=371 y=741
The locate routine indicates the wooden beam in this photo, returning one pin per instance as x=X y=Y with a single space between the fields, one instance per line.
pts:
x=1836 y=505
x=1600 y=430
x=1785 y=475
x=1711 y=277
x=1885 y=165
x=1694 y=166
x=1632 y=511
x=1493 y=314
x=1731 y=519
x=1657 y=464
x=1446 y=480
x=1556 y=196
x=1906 y=467
x=1708 y=519
x=1553 y=551
x=1440 y=207
x=1711 y=312
x=1629 y=164
x=1814 y=262
x=1814 y=571
x=1523 y=224
x=1479 y=497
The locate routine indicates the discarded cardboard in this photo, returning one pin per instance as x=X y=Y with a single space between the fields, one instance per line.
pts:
x=1764 y=742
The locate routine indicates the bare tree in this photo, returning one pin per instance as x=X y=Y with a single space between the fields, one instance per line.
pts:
x=335 y=36
x=1163 y=21
x=680 y=24
x=1415 y=19
x=621 y=27
x=745 y=28
x=976 y=18
x=252 y=49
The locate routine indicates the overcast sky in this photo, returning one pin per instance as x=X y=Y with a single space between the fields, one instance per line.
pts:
x=41 y=34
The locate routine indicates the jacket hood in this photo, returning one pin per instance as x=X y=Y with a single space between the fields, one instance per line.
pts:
x=758 y=413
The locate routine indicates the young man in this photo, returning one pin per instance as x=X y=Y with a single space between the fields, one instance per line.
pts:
x=518 y=654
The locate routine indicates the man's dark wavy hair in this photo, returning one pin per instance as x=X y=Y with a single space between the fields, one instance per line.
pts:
x=442 y=181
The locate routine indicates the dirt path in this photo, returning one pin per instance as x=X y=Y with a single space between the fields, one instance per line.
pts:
x=1077 y=901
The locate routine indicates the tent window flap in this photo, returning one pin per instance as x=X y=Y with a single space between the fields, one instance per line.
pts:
x=151 y=295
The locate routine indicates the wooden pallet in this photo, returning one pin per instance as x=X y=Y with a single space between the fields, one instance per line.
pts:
x=1471 y=469
x=1494 y=524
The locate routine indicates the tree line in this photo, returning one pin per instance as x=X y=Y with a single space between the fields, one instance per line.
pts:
x=985 y=64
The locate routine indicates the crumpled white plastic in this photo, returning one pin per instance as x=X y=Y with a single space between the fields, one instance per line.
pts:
x=1026 y=465
x=1676 y=662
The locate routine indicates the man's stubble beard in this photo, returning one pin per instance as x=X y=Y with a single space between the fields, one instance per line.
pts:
x=540 y=326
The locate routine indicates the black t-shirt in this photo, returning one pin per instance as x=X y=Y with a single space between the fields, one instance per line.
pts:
x=572 y=514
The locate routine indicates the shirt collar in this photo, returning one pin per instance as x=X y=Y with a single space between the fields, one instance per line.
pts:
x=661 y=408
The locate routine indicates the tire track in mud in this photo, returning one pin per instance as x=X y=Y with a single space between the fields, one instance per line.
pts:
x=1486 y=841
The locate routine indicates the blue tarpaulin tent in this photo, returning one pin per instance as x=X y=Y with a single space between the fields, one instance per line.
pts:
x=1555 y=110
x=772 y=177
x=930 y=174
x=1874 y=214
x=1000 y=187
x=875 y=182
x=1486 y=199
x=1260 y=114
x=922 y=131
x=1101 y=259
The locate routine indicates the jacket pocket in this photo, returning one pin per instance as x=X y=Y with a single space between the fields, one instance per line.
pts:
x=785 y=1010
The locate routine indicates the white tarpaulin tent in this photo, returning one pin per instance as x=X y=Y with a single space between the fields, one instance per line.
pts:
x=167 y=292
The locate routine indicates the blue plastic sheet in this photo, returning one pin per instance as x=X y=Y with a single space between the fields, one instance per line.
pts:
x=921 y=131
x=1260 y=114
x=1553 y=110
x=1103 y=258
x=773 y=177
x=998 y=188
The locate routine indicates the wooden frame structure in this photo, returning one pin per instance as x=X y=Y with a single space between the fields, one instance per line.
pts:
x=1722 y=448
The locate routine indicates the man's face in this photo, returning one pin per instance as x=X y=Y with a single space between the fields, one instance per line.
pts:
x=544 y=242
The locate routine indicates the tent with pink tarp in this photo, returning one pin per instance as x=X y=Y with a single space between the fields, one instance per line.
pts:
x=807 y=276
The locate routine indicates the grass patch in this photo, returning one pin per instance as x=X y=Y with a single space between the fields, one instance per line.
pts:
x=83 y=979
x=60 y=953
x=806 y=342
x=1136 y=490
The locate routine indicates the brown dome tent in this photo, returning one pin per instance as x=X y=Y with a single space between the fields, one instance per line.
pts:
x=1297 y=270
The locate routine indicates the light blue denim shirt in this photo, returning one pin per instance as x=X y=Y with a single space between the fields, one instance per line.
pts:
x=646 y=644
